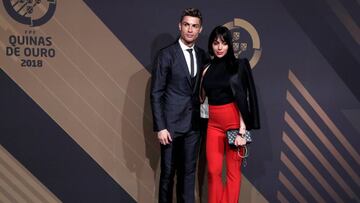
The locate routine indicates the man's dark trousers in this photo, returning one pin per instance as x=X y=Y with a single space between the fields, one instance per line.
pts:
x=181 y=155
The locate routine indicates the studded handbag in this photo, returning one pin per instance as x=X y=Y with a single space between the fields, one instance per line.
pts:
x=231 y=136
x=232 y=133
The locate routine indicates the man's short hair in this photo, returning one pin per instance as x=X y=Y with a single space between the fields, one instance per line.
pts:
x=193 y=12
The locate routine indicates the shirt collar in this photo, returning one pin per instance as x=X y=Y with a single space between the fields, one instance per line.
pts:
x=184 y=47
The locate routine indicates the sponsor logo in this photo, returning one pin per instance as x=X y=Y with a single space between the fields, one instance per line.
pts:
x=32 y=47
x=246 y=41
x=30 y=12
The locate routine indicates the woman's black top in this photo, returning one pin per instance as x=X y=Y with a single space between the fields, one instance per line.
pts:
x=216 y=83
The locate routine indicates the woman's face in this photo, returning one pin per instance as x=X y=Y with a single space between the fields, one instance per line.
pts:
x=220 y=47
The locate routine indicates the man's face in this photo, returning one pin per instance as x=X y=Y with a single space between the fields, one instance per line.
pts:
x=190 y=28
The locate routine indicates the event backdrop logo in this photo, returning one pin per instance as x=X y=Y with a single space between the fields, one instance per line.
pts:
x=30 y=12
x=246 y=40
x=33 y=47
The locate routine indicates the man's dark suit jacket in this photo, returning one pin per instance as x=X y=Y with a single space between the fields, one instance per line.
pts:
x=174 y=97
x=243 y=88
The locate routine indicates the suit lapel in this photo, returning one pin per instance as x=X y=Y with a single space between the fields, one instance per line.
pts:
x=183 y=64
x=198 y=62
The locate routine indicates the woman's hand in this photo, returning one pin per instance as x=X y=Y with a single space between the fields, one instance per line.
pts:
x=240 y=141
x=242 y=131
x=242 y=127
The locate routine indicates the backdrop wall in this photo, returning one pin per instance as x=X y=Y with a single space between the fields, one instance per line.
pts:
x=75 y=118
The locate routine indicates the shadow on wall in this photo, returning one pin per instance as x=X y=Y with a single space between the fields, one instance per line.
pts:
x=260 y=151
x=161 y=41
x=140 y=146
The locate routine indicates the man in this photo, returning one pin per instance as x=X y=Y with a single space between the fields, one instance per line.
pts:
x=175 y=106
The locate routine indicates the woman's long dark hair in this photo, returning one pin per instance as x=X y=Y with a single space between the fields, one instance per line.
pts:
x=223 y=33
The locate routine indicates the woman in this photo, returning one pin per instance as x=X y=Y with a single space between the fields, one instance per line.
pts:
x=229 y=86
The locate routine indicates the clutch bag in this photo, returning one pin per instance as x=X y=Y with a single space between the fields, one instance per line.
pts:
x=232 y=133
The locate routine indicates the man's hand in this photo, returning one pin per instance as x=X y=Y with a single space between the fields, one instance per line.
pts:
x=164 y=137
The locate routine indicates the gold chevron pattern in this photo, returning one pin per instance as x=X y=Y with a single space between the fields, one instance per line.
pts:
x=18 y=185
x=316 y=173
